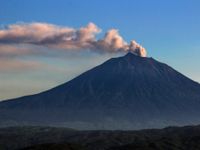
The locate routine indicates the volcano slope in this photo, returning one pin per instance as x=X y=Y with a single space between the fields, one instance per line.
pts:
x=128 y=92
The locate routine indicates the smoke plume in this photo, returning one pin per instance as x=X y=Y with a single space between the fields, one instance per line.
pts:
x=67 y=38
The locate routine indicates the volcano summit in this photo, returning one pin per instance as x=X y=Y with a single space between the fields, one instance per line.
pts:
x=128 y=92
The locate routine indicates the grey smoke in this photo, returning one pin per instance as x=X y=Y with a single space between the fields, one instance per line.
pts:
x=68 y=38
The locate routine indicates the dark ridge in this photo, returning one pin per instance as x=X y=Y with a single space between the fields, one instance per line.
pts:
x=45 y=138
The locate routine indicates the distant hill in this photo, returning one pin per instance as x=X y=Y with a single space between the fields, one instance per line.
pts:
x=46 y=138
x=128 y=92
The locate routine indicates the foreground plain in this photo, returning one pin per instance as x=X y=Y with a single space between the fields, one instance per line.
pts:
x=49 y=138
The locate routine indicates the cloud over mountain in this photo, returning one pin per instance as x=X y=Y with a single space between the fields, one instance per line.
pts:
x=67 y=38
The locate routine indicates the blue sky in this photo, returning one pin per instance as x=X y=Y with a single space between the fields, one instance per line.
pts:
x=169 y=30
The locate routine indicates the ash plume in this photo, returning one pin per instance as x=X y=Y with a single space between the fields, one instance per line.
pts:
x=69 y=39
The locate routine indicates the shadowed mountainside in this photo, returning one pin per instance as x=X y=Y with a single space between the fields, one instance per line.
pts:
x=128 y=92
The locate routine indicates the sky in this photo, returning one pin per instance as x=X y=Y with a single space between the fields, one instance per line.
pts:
x=46 y=43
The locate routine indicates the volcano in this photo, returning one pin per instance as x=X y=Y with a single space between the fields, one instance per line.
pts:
x=128 y=92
